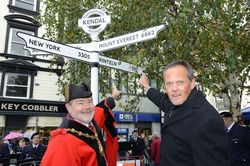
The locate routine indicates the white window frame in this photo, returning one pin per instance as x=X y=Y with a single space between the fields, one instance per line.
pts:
x=24 y=1
x=18 y=42
x=28 y=86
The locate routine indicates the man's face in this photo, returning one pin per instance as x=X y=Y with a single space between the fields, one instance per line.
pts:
x=227 y=121
x=22 y=143
x=177 y=84
x=81 y=109
x=35 y=140
x=135 y=134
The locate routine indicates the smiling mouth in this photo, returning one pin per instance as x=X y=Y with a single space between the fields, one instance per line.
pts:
x=86 y=112
x=176 y=95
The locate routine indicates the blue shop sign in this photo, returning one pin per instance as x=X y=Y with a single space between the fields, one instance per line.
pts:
x=124 y=117
x=137 y=117
x=122 y=130
x=148 y=117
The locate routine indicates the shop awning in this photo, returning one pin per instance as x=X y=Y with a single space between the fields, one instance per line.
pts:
x=44 y=121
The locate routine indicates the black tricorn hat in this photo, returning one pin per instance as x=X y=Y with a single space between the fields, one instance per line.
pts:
x=226 y=114
x=72 y=91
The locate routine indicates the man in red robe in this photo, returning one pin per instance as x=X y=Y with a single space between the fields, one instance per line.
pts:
x=79 y=141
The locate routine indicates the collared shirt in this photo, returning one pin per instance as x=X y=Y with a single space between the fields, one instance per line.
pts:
x=35 y=146
x=229 y=127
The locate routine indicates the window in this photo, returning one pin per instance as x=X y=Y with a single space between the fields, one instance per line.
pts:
x=17 y=85
x=25 y=4
x=16 y=44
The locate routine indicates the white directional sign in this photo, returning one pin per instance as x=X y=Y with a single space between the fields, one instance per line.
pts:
x=72 y=52
x=115 y=64
x=116 y=42
x=124 y=40
x=56 y=48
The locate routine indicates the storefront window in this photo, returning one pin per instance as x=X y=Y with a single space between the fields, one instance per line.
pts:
x=1 y=133
x=17 y=85
x=45 y=134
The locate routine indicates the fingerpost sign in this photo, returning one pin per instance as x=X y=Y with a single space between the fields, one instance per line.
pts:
x=92 y=22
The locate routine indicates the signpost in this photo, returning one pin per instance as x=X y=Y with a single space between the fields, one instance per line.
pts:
x=92 y=22
x=73 y=52
x=116 y=42
x=55 y=48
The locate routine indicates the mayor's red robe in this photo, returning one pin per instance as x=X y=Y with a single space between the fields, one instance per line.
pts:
x=105 y=119
x=76 y=145
x=78 y=152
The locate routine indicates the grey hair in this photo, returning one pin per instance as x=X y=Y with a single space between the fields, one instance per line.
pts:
x=183 y=63
x=156 y=135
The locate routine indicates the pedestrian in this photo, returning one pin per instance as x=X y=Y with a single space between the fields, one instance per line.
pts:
x=150 y=140
x=4 y=150
x=193 y=132
x=35 y=150
x=238 y=140
x=4 y=154
x=137 y=145
x=155 y=150
x=122 y=140
x=79 y=140
x=22 y=143
x=146 y=155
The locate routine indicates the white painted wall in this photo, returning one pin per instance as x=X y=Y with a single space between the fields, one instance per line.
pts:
x=45 y=87
x=156 y=127
x=4 y=10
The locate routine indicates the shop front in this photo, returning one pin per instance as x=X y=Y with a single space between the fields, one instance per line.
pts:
x=29 y=115
x=145 y=123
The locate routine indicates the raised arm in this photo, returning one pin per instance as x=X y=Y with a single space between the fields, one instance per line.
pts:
x=160 y=99
x=116 y=94
x=144 y=81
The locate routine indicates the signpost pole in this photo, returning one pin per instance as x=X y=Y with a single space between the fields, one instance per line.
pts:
x=94 y=85
x=87 y=23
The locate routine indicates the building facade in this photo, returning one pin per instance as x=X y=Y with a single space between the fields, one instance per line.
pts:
x=28 y=92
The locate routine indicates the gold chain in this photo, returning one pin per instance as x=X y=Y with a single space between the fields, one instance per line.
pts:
x=81 y=133
x=88 y=136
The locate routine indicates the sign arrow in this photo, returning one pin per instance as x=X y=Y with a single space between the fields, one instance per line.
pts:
x=116 y=42
x=49 y=47
x=55 y=48
x=124 y=40
x=116 y=64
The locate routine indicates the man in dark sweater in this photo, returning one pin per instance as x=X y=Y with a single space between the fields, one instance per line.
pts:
x=193 y=132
